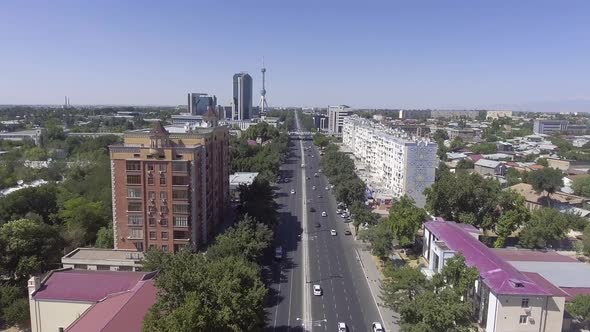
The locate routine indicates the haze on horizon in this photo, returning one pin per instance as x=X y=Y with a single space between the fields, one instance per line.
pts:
x=523 y=55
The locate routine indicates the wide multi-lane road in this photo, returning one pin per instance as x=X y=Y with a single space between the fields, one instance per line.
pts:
x=315 y=257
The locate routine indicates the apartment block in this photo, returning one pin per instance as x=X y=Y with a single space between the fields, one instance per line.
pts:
x=336 y=115
x=170 y=185
x=404 y=165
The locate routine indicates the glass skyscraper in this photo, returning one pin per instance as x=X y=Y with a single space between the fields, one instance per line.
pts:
x=198 y=103
x=242 y=101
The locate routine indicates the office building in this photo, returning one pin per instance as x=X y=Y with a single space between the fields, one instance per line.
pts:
x=170 y=185
x=242 y=101
x=320 y=121
x=402 y=164
x=549 y=127
x=336 y=115
x=198 y=103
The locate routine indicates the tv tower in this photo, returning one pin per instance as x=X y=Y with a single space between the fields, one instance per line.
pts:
x=263 y=105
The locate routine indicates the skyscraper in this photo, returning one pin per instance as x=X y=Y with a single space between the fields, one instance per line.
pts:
x=198 y=103
x=242 y=96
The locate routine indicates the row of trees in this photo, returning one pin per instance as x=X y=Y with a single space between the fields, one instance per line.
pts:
x=339 y=169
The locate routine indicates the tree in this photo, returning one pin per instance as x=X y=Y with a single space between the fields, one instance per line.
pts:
x=28 y=247
x=543 y=162
x=545 y=225
x=457 y=276
x=484 y=148
x=401 y=285
x=465 y=164
x=514 y=214
x=580 y=307
x=41 y=200
x=381 y=238
x=581 y=186
x=546 y=180
x=248 y=239
x=257 y=201
x=457 y=143
x=361 y=216
x=14 y=305
x=104 y=238
x=320 y=140
x=586 y=241
x=513 y=176
x=405 y=218
x=440 y=136
x=82 y=219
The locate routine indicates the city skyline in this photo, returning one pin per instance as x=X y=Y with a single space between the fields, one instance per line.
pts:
x=528 y=55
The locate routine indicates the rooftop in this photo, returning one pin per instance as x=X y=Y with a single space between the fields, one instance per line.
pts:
x=500 y=276
x=531 y=195
x=242 y=178
x=103 y=254
x=488 y=163
x=527 y=255
x=86 y=285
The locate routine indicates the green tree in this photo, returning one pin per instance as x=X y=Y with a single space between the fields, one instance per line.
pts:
x=41 y=200
x=104 y=238
x=547 y=180
x=514 y=215
x=457 y=144
x=586 y=241
x=320 y=140
x=543 y=162
x=545 y=225
x=381 y=238
x=401 y=285
x=440 y=136
x=580 y=307
x=257 y=201
x=36 y=153
x=484 y=148
x=247 y=239
x=14 y=306
x=581 y=186
x=405 y=218
x=465 y=164
x=456 y=276
x=82 y=220
x=513 y=176
x=361 y=216
x=28 y=247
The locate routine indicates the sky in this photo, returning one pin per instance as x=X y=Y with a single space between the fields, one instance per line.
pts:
x=503 y=54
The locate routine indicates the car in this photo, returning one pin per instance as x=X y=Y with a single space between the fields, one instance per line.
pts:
x=333 y=232
x=303 y=165
x=317 y=225
x=312 y=209
x=279 y=252
x=339 y=211
x=308 y=178
x=327 y=188
x=341 y=327
x=324 y=214
x=292 y=191
x=332 y=186
x=320 y=196
x=377 y=327
x=313 y=187
x=319 y=170
x=347 y=232
x=317 y=290
x=316 y=175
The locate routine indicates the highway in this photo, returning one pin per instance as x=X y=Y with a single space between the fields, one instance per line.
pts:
x=313 y=256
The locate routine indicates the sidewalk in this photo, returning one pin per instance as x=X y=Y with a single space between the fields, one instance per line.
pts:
x=374 y=278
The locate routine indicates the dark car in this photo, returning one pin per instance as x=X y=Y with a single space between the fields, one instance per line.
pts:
x=317 y=225
x=347 y=232
x=312 y=209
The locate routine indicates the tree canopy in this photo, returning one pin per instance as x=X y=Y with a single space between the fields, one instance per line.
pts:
x=257 y=201
x=581 y=186
x=547 y=180
x=405 y=218
x=544 y=226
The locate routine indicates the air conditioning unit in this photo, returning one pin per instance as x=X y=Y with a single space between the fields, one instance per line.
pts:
x=527 y=310
x=152 y=200
x=150 y=172
x=531 y=320
x=163 y=200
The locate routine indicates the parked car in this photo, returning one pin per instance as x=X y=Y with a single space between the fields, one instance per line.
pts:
x=279 y=252
x=312 y=209
x=341 y=327
x=313 y=188
x=317 y=225
x=347 y=232
x=377 y=327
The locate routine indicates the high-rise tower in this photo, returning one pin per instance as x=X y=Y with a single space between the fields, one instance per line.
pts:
x=242 y=97
x=263 y=105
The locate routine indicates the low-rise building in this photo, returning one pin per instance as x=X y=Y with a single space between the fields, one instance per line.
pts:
x=549 y=127
x=103 y=259
x=498 y=114
x=485 y=167
x=534 y=200
x=240 y=179
x=33 y=135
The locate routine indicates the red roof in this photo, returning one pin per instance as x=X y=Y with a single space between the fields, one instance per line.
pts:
x=475 y=157
x=527 y=255
x=86 y=285
x=548 y=286
x=118 y=312
x=574 y=291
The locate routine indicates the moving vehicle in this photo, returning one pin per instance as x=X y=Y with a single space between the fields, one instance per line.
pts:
x=319 y=170
x=313 y=187
x=303 y=165
x=377 y=327
x=317 y=290
x=316 y=175
x=317 y=225
x=347 y=232
x=327 y=188
x=324 y=214
x=341 y=327
x=292 y=191
x=279 y=252
x=333 y=232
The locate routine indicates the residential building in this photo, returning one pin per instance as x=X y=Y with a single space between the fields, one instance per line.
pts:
x=534 y=200
x=466 y=134
x=242 y=100
x=415 y=114
x=170 y=185
x=84 y=300
x=336 y=115
x=498 y=114
x=549 y=127
x=504 y=147
x=33 y=135
x=504 y=298
x=103 y=259
x=403 y=165
x=485 y=167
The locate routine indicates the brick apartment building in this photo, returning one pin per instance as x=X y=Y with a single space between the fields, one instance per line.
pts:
x=170 y=185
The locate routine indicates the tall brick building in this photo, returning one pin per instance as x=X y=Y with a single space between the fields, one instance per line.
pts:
x=170 y=187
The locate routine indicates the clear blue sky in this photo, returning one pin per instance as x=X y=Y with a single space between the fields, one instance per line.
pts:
x=410 y=54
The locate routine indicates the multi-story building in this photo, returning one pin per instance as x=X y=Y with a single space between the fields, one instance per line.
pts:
x=170 y=188
x=242 y=101
x=320 y=121
x=198 y=103
x=336 y=115
x=404 y=165
x=498 y=114
x=549 y=127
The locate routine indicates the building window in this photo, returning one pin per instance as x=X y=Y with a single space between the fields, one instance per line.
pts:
x=133 y=179
x=180 y=208
x=153 y=246
x=163 y=181
x=180 y=194
x=138 y=246
x=180 y=235
x=162 y=167
x=180 y=221
x=150 y=180
x=150 y=166
x=133 y=192
x=179 y=166
x=133 y=165
x=524 y=303
x=163 y=221
x=80 y=266
x=136 y=233
x=152 y=195
x=165 y=248
x=135 y=220
x=153 y=236
x=164 y=235
x=103 y=267
x=523 y=319
x=134 y=206
x=125 y=268
x=152 y=221
x=163 y=195
x=180 y=180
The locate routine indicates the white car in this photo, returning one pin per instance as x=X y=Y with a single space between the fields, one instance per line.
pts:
x=327 y=188
x=333 y=232
x=313 y=187
x=324 y=214
x=292 y=191
x=377 y=327
x=341 y=327
x=317 y=290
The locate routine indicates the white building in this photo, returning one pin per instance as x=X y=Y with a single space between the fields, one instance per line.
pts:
x=549 y=126
x=336 y=115
x=404 y=165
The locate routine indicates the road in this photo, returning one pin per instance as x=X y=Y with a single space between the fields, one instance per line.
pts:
x=313 y=256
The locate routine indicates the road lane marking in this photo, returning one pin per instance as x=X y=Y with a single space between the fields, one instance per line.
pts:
x=307 y=317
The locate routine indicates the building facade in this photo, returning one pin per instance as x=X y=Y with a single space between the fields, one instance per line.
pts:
x=169 y=189
x=336 y=115
x=103 y=259
x=498 y=114
x=242 y=100
x=320 y=121
x=549 y=127
x=404 y=165
x=198 y=103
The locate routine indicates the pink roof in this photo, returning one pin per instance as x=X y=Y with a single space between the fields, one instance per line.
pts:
x=546 y=284
x=527 y=255
x=85 y=285
x=475 y=157
x=118 y=312
x=498 y=274
x=574 y=291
